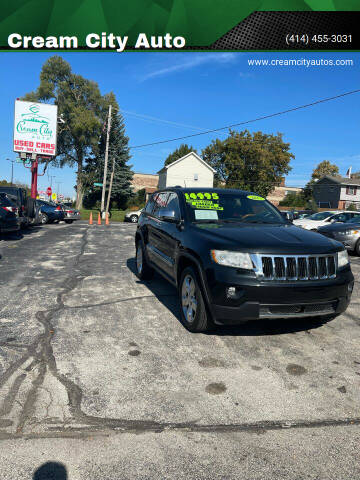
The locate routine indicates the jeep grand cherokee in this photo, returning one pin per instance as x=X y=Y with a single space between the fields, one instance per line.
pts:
x=233 y=258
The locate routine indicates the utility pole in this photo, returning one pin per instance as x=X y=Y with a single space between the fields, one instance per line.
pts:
x=105 y=166
x=51 y=179
x=58 y=183
x=110 y=187
x=12 y=169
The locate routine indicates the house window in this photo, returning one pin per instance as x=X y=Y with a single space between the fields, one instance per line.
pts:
x=196 y=176
x=350 y=190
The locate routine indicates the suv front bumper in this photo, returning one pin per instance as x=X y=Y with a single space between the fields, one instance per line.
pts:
x=255 y=300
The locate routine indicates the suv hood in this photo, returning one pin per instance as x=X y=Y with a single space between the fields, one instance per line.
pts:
x=263 y=238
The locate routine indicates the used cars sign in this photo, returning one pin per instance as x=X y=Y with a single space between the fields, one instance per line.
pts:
x=35 y=128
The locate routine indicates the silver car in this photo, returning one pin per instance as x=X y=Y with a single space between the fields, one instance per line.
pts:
x=347 y=233
x=133 y=217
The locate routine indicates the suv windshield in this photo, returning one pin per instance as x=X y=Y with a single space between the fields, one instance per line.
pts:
x=210 y=207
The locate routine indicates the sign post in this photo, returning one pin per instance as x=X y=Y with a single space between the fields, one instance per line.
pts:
x=35 y=130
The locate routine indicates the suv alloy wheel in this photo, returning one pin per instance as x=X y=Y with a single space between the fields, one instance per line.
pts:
x=193 y=310
x=143 y=270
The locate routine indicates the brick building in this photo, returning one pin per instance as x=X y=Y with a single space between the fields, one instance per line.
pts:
x=280 y=192
x=148 y=181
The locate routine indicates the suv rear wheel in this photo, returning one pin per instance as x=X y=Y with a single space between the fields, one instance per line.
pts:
x=134 y=218
x=194 y=315
x=143 y=270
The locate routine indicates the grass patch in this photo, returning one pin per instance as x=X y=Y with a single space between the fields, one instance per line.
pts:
x=116 y=215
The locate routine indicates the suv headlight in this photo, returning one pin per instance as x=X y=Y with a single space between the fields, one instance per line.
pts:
x=232 y=259
x=343 y=258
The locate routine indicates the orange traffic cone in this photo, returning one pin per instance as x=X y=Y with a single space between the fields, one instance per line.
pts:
x=99 y=219
x=107 y=219
x=90 y=219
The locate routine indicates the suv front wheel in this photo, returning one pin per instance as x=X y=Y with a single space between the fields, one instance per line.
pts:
x=193 y=310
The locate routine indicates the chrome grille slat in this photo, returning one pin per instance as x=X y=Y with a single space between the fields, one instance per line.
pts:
x=294 y=267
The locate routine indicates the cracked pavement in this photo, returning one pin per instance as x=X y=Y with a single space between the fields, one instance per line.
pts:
x=97 y=372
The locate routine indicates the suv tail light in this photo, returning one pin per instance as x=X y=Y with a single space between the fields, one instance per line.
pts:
x=10 y=209
x=58 y=208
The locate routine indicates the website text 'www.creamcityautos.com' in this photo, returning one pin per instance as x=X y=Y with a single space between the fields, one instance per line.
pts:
x=301 y=62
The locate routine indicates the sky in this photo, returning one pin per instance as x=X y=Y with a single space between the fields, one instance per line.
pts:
x=165 y=95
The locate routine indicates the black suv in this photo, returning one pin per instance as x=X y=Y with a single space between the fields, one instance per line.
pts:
x=233 y=257
x=28 y=211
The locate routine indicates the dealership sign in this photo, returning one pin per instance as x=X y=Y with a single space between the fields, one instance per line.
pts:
x=35 y=128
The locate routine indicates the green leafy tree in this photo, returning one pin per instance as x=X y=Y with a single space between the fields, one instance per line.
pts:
x=325 y=168
x=250 y=161
x=322 y=169
x=352 y=207
x=81 y=110
x=294 y=199
x=119 y=152
x=183 y=150
x=138 y=199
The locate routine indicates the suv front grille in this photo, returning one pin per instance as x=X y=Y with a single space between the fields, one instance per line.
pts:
x=295 y=267
x=280 y=311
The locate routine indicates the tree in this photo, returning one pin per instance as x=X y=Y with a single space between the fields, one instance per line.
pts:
x=293 y=199
x=81 y=109
x=352 y=207
x=183 y=150
x=322 y=169
x=118 y=151
x=325 y=168
x=255 y=162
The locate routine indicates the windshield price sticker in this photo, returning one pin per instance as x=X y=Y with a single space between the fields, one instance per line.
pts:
x=205 y=205
x=201 y=196
x=203 y=200
x=255 y=197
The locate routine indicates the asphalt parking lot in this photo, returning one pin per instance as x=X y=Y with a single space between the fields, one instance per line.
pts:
x=97 y=373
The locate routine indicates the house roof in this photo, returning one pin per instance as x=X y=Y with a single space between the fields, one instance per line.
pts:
x=182 y=158
x=341 y=180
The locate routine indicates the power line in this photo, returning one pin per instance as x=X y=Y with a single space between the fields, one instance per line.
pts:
x=264 y=117
x=148 y=118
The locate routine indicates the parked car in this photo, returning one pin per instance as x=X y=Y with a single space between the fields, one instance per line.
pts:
x=234 y=258
x=347 y=233
x=133 y=216
x=324 y=218
x=9 y=217
x=27 y=208
x=299 y=214
x=70 y=214
x=50 y=212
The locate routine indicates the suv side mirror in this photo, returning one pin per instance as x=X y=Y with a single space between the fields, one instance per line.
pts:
x=168 y=215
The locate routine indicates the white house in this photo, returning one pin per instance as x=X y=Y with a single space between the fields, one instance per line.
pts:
x=188 y=171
